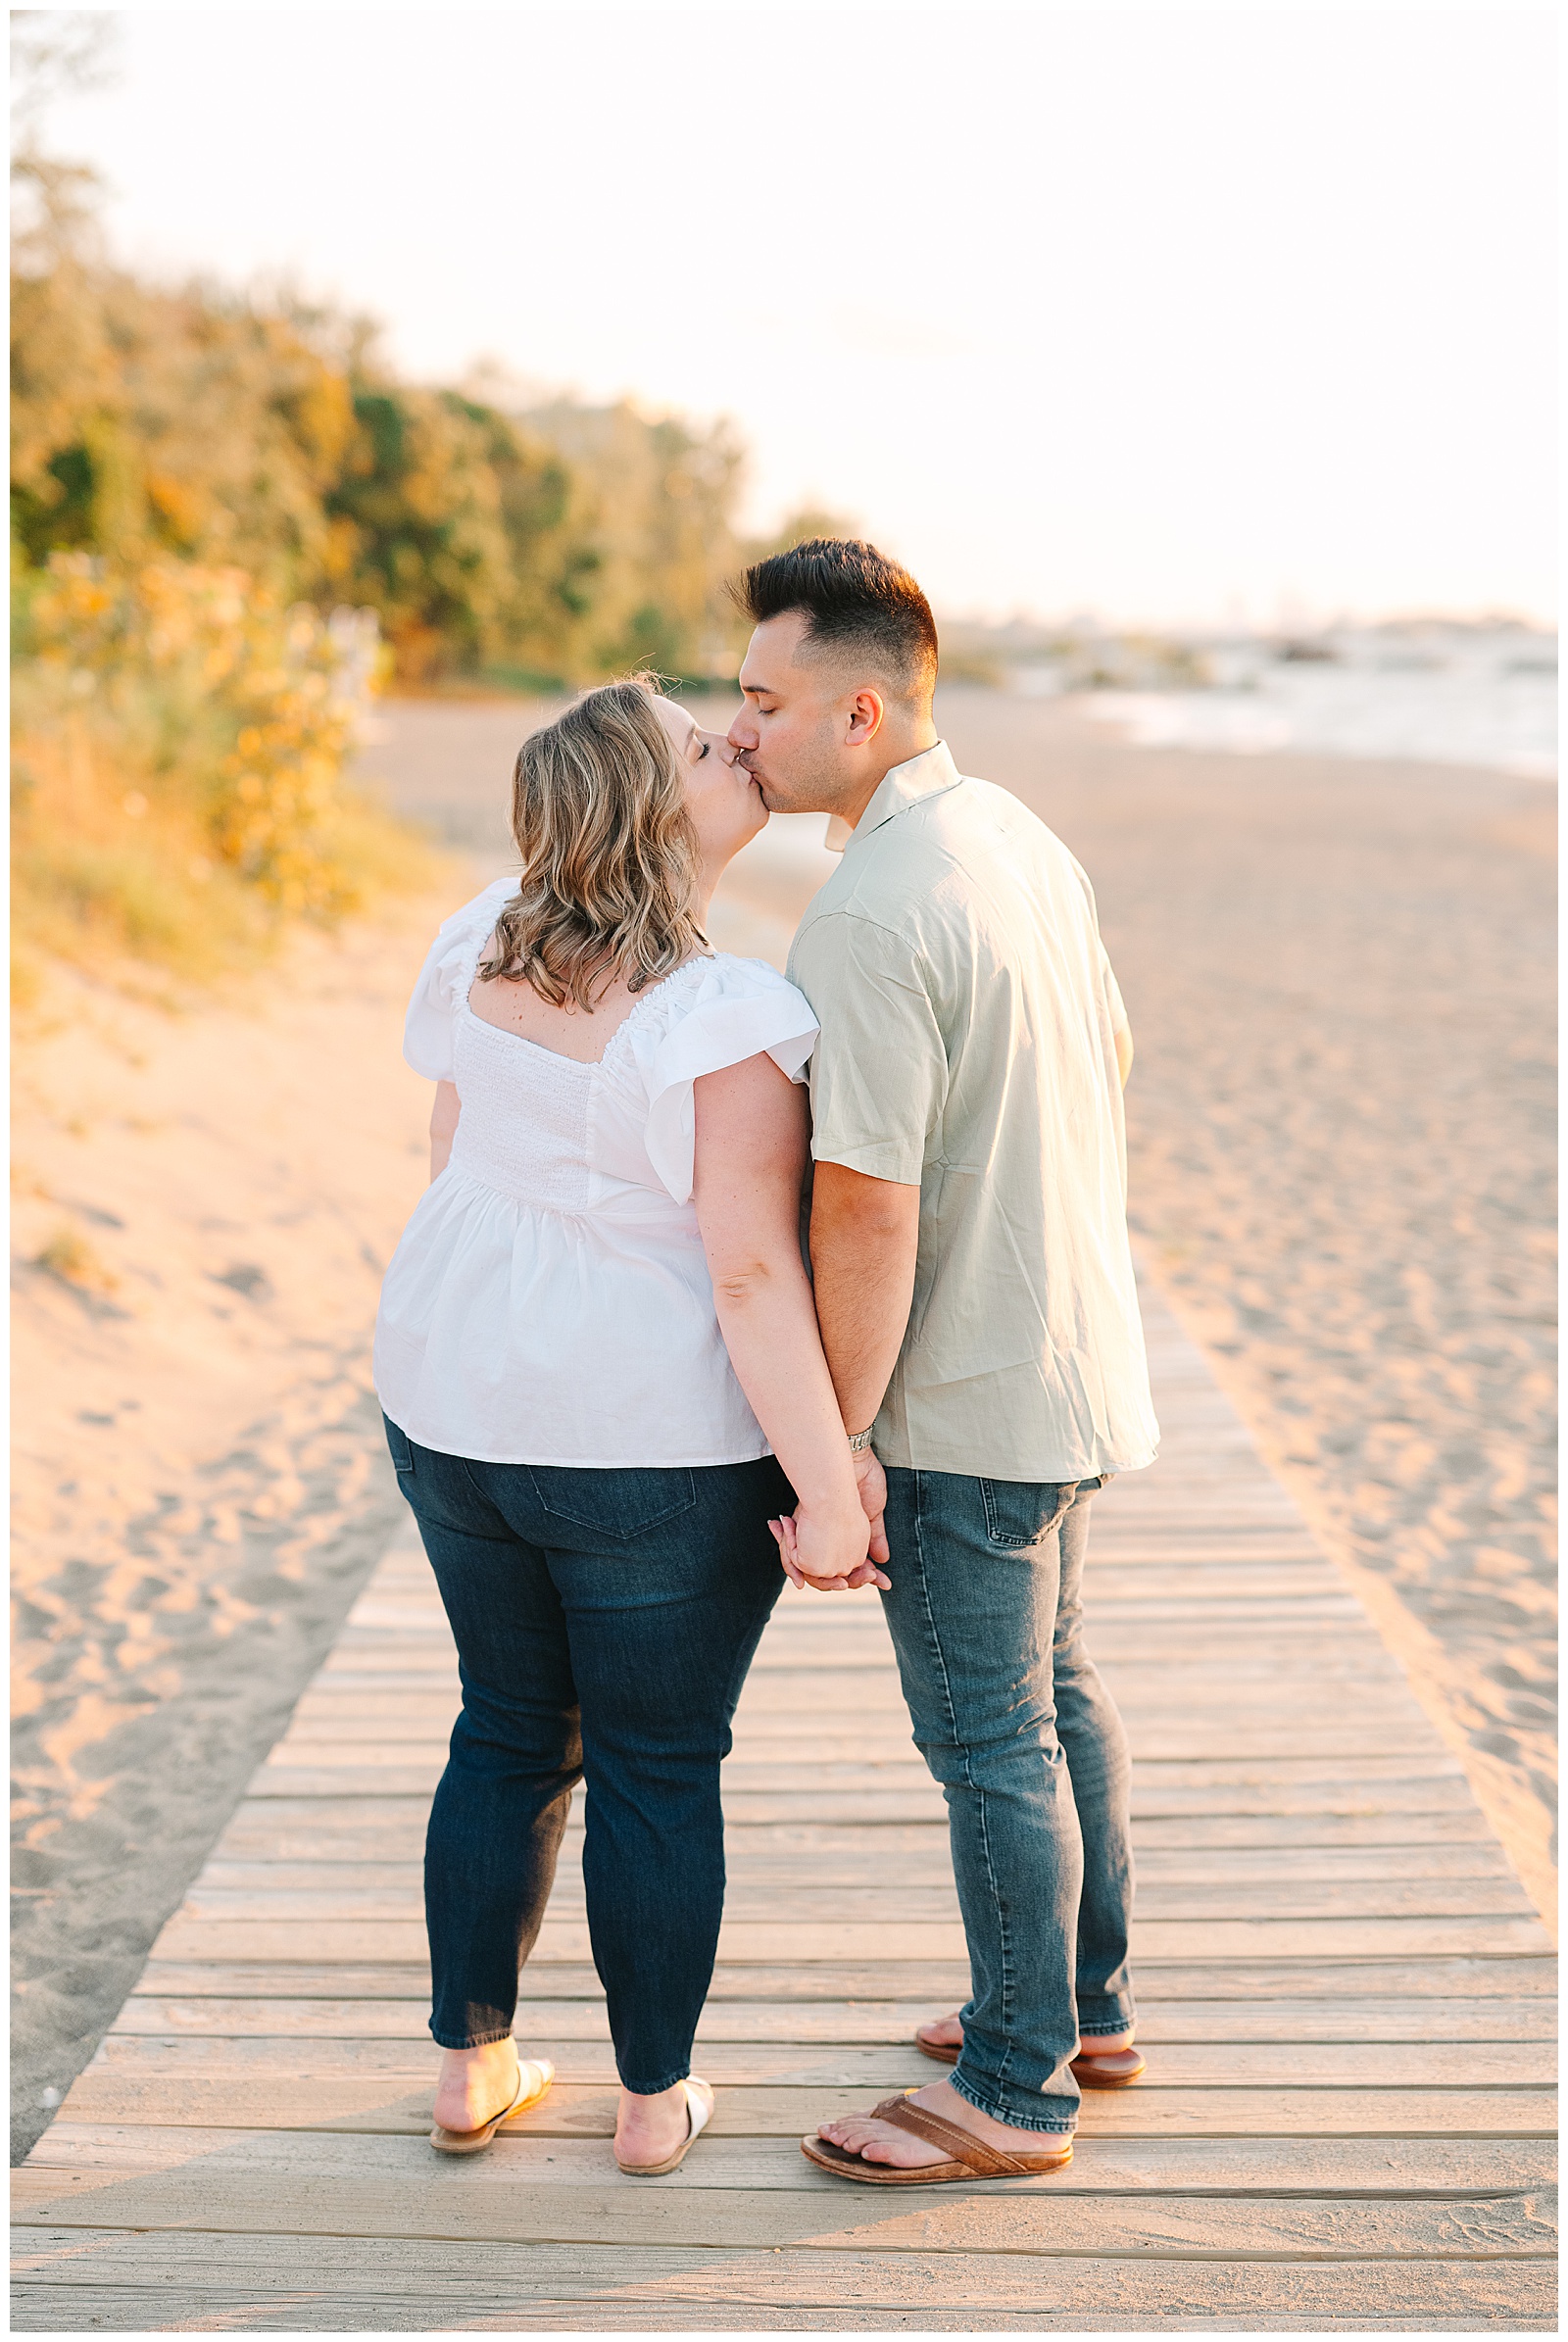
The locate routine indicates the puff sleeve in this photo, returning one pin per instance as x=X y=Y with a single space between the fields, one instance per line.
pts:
x=744 y=1008
x=444 y=981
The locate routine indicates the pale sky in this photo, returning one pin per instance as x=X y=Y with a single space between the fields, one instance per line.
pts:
x=1171 y=315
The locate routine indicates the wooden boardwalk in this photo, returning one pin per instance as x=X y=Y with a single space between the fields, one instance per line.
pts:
x=1344 y=2000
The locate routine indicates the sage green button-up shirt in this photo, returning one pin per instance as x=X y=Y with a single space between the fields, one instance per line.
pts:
x=968 y=1017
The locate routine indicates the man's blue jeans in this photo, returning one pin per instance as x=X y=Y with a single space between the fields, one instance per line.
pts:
x=1013 y=1718
x=604 y=1622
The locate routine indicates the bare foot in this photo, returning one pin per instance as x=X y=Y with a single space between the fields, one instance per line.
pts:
x=477 y=2084
x=943 y=2033
x=946 y=2033
x=652 y=2129
x=884 y=2142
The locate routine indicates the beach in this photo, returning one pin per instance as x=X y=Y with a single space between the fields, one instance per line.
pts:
x=1338 y=975
x=203 y=1200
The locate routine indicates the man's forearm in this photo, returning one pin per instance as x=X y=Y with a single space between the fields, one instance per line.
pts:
x=864 y=1235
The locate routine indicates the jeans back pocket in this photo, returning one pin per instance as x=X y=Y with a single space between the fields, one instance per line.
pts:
x=616 y=1503
x=1020 y=1512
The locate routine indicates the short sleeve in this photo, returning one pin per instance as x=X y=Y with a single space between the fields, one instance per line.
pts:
x=742 y=1008
x=444 y=982
x=879 y=1072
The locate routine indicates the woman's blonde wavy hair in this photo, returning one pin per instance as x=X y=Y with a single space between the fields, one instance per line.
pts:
x=610 y=857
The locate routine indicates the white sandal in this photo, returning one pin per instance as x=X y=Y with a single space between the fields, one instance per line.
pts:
x=534 y=2077
x=698 y=2111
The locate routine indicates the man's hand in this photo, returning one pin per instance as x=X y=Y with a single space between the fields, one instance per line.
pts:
x=872 y=1484
x=788 y=1538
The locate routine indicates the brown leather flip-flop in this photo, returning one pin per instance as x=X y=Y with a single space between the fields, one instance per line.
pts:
x=969 y=2158
x=946 y=2053
x=1111 y=2069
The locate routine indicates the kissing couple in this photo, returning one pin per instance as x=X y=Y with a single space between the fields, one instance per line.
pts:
x=616 y=1399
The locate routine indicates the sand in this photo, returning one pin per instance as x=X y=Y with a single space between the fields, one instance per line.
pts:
x=1339 y=976
x=199 y=1482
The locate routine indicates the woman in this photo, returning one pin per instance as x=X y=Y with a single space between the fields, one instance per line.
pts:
x=600 y=1369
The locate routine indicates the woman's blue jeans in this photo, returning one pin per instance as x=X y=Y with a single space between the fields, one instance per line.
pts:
x=604 y=1622
x=1010 y=1714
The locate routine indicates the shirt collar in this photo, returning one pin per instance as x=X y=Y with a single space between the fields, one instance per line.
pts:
x=924 y=775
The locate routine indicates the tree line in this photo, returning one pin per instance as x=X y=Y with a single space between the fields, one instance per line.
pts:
x=557 y=544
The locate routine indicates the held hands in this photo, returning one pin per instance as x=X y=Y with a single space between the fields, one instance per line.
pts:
x=835 y=1553
x=871 y=1482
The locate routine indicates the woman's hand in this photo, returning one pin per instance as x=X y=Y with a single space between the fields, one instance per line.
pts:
x=827 y=1549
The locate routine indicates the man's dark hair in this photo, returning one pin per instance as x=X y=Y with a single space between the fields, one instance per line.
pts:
x=853 y=598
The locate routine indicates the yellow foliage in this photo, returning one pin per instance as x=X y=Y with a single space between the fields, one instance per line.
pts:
x=287 y=686
x=180 y=742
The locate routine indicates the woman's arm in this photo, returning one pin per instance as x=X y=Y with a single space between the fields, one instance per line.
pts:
x=443 y=1125
x=751 y=1158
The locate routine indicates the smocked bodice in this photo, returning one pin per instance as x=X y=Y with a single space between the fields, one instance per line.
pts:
x=549 y=1302
x=523 y=1129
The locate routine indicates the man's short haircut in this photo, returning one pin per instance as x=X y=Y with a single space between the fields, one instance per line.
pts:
x=855 y=600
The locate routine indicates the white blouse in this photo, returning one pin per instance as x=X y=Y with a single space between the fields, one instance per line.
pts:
x=549 y=1302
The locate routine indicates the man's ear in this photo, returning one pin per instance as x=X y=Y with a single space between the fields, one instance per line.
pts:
x=867 y=710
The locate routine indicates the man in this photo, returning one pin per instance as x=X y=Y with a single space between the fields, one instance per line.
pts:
x=975 y=1291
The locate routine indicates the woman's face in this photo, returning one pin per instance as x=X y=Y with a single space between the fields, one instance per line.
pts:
x=723 y=801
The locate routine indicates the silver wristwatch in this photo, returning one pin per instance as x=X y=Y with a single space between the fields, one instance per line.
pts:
x=860 y=1441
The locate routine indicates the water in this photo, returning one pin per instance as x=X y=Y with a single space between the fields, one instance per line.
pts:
x=1461 y=697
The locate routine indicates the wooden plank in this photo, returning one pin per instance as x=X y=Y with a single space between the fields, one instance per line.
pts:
x=1240 y=1985
x=39 y=2309
x=898 y=1901
x=414 y=2204
x=264 y=1832
x=1295 y=2169
x=1325 y=1667
x=394 y=2274
x=187 y=1938
x=1250 y=1720
x=401 y=2101
x=1175 y=1735
x=897 y=1762
x=729 y=2061
x=832 y=1855
x=1143 y=1685
x=1445 y=2022
x=905 y=1792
